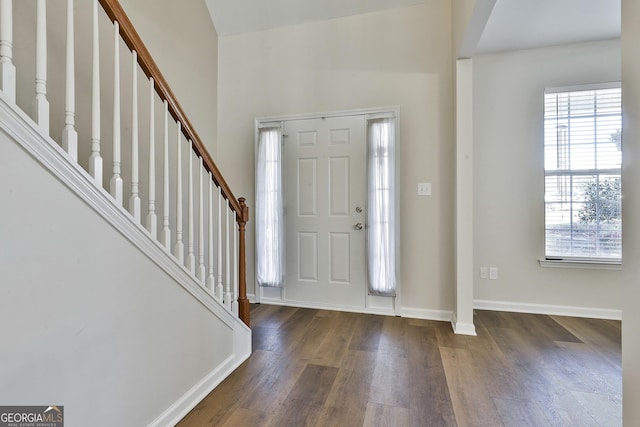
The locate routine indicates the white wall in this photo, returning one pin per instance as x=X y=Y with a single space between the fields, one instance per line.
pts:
x=394 y=57
x=187 y=55
x=462 y=14
x=87 y=320
x=509 y=175
x=631 y=211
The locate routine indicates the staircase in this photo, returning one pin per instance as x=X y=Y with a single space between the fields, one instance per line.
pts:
x=122 y=269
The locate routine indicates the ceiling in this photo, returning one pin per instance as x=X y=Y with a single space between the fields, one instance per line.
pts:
x=524 y=24
x=512 y=24
x=243 y=16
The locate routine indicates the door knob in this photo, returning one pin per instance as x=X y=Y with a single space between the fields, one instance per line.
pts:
x=358 y=209
x=358 y=226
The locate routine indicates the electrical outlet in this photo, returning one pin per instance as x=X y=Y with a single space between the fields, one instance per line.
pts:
x=484 y=273
x=493 y=273
x=424 y=189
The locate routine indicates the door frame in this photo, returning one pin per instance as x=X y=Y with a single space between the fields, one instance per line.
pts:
x=373 y=304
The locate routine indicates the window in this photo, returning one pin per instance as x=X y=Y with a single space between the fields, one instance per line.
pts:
x=582 y=162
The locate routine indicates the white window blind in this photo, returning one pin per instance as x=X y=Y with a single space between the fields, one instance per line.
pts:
x=582 y=161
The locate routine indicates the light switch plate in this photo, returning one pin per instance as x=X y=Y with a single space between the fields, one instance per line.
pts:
x=424 y=189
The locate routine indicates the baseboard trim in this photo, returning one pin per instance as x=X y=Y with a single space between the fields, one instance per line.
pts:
x=460 y=328
x=556 y=310
x=191 y=398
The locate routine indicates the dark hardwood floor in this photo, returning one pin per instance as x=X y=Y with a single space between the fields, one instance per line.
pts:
x=326 y=368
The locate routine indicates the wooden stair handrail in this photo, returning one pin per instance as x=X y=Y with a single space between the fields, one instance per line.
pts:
x=150 y=68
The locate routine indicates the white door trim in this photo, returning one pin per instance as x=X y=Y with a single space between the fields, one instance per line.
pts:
x=371 y=305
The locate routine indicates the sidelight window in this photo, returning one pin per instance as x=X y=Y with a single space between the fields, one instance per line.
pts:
x=269 y=209
x=381 y=221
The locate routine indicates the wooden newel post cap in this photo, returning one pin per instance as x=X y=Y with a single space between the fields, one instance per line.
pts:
x=245 y=210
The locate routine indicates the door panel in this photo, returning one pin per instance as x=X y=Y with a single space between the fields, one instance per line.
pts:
x=339 y=257
x=307 y=187
x=339 y=197
x=325 y=181
x=308 y=259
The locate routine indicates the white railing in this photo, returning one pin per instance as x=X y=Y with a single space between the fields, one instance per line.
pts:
x=186 y=172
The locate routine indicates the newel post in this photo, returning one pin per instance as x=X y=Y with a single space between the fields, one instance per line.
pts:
x=243 y=302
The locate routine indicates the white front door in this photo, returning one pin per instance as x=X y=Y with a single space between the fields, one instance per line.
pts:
x=325 y=201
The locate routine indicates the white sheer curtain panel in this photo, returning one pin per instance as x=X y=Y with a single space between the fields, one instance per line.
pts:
x=381 y=251
x=269 y=209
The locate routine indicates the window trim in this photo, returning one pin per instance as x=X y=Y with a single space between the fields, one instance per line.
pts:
x=578 y=88
x=584 y=263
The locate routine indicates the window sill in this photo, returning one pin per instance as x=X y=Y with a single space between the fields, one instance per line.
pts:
x=581 y=263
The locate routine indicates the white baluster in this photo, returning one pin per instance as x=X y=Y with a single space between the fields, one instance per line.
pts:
x=227 y=296
x=7 y=69
x=191 y=259
x=134 y=200
x=202 y=274
x=116 y=179
x=152 y=219
x=166 y=233
x=40 y=104
x=69 y=133
x=234 y=301
x=220 y=290
x=95 y=160
x=179 y=247
x=211 y=279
